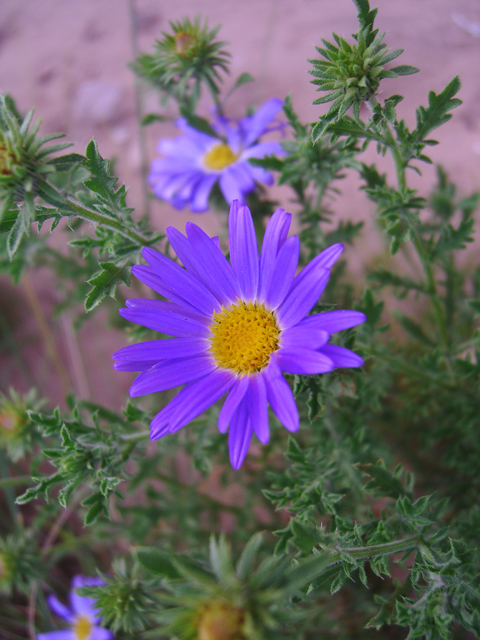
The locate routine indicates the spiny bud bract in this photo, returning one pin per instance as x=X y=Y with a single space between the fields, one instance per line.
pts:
x=351 y=72
x=16 y=429
x=184 y=59
x=25 y=163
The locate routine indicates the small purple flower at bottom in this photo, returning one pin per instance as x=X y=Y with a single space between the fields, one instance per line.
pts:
x=81 y=615
x=237 y=327
x=193 y=163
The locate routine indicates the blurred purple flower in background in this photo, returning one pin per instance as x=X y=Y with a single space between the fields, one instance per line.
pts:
x=237 y=327
x=193 y=163
x=81 y=615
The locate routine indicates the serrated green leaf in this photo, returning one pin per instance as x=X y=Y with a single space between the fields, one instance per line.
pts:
x=104 y=283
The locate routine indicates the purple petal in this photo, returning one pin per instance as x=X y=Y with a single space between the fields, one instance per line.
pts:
x=101 y=634
x=275 y=235
x=302 y=297
x=325 y=259
x=64 y=634
x=200 y=197
x=59 y=609
x=230 y=188
x=239 y=435
x=303 y=361
x=235 y=396
x=281 y=277
x=155 y=350
x=263 y=149
x=164 y=306
x=171 y=373
x=183 y=283
x=302 y=337
x=172 y=324
x=257 y=408
x=191 y=401
x=333 y=321
x=182 y=148
x=243 y=250
x=261 y=120
x=183 y=249
x=342 y=357
x=203 y=140
x=280 y=396
x=260 y=175
x=216 y=269
x=148 y=276
x=240 y=172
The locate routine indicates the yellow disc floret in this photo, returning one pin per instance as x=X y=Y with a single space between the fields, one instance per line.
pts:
x=82 y=627
x=244 y=336
x=219 y=157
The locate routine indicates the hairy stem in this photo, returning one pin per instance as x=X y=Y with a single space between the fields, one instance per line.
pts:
x=400 y=166
x=98 y=218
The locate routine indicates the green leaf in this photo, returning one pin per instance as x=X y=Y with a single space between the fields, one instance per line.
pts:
x=414 y=329
x=404 y=70
x=247 y=558
x=200 y=124
x=150 y=118
x=436 y=114
x=158 y=562
x=382 y=482
x=242 y=79
x=104 y=283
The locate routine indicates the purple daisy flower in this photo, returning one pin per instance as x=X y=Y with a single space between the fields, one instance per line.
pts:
x=193 y=163
x=81 y=615
x=237 y=327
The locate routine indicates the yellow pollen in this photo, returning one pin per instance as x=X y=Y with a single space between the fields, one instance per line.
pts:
x=82 y=628
x=244 y=336
x=219 y=157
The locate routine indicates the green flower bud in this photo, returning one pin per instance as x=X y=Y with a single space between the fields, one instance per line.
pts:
x=218 y=620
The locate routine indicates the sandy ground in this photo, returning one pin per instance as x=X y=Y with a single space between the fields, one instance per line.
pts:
x=68 y=59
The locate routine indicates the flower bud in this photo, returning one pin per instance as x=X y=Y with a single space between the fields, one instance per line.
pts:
x=219 y=620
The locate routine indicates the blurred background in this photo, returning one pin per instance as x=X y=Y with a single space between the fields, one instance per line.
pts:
x=69 y=60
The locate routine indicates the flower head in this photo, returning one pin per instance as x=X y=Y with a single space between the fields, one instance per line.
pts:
x=81 y=615
x=193 y=163
x=236 y=327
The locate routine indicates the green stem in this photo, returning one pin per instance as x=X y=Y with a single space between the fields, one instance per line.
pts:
x=359 y=553
x=186 y=487
x=13 y=508
x=106 y=221
x=391 y=142
x=13 y=481
x=138 y=108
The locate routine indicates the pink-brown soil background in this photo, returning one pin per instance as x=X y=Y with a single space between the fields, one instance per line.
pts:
x=68 y=59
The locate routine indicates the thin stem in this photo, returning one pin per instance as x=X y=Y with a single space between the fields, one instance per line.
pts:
x=98 y=218
x=13 y=481
x=360 y=553
x=139 y=113
x=7 y=486
x=46 y=333
x=31 y=610
x=391 y=142
x=186 y=487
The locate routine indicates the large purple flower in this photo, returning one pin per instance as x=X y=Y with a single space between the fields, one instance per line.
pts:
x=81 y=616
x=237 y=327
x=192 y=163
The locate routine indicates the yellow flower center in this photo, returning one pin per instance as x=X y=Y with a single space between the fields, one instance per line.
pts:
x=244 y=336
x=183 y=42
x=82 y=627
x=220 y=621
x=219 y=157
